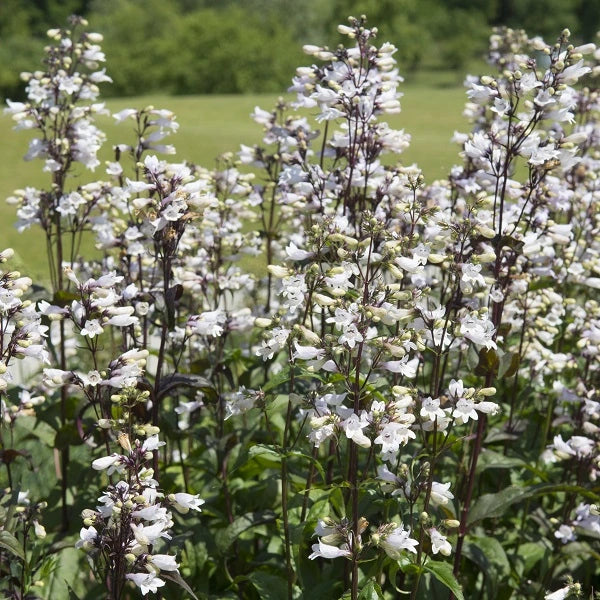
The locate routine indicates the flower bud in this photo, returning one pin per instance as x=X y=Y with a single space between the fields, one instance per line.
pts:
x=262 y=322
x=39 y=530
x=487 y=391
x=451 y=523
x=323 y=300
x=436 y=258
x=278 y=271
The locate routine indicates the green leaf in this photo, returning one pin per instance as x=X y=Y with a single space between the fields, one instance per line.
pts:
x=178 y=380
x=509 y=241
x=493 y=552
x=371 y=591
x=9 y=542
x=531 y=553
x=307 y=457
x=284 y=376
x=489 y=360
x=488 y=459
x=499 y=435
x=72 y=594
x=509 y=364
x=494 y=505
x=393 y=572
x=442 y=571
x=472 y=357
x=64 y=298
x=67 y=436
x=39 y=429
x=542 y=283
x=490 y=576
x=277 y=380
x=176 y=577
x=241 y=524
x=269 y=587
x=264 y=455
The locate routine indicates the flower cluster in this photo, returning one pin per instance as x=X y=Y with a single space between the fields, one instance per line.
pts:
x=132 y=518
x=313 y=325
x=22 y=335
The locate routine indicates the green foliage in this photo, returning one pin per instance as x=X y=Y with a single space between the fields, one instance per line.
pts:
x=224 y=51
x=140 y=63
x=235 y=46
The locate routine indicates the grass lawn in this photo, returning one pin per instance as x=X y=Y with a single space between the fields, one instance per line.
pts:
x=211 y=125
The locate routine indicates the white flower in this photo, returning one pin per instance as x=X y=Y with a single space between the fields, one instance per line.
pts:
x=559 y=594
x=350 y=336
x=456 y=388
x=479 y=331
x=353 y=427
x=392 y=436
x=440 y=493
x=571 y=74
x=185 y=502
x=489 y=408
x=407 y=367
x=471 y=277
x=295 y=253
x=322 y=529
x=308 y=352
x=87 y=537
x=107 y=462
x=92 y=328
x=439 y=543
x=430 y=409
x=165 y=562
x=154 y=512
x=327 y=551
x=93 y=378
x=55 y=377
x=464 y=410
x=125 y=114
x=152 y=443
x=397 y=541
x=561 y=448
x=148 y=534
x=147 y=582
x=565 y=534
x=152 y=164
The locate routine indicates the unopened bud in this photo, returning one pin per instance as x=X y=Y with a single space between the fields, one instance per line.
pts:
x=451 y=523
x=278 y=271
x=487 y=391
x=262 y=322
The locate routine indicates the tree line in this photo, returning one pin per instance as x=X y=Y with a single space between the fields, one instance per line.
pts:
x=242 y=46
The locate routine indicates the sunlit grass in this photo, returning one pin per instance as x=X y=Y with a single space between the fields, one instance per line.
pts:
x=211 y=125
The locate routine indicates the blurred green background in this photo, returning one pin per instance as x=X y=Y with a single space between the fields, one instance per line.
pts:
x=212 y=61
x=242 y=46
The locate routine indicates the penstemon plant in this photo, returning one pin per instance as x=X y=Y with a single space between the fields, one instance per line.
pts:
x=373 y=385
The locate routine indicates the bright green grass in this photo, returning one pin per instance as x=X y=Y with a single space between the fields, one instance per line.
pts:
x=211 y=125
